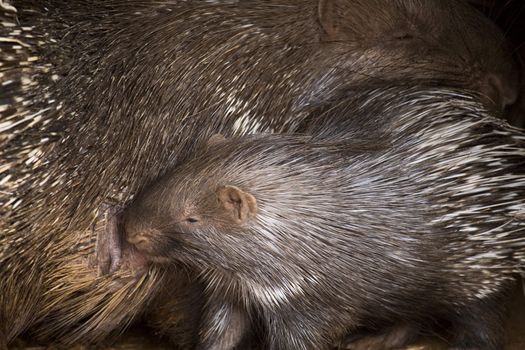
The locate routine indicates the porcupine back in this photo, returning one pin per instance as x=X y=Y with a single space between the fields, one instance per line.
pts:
x=475 y=170
x=47 y=266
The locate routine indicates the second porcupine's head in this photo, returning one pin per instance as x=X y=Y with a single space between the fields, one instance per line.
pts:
x=216 y=204
x=192 y=204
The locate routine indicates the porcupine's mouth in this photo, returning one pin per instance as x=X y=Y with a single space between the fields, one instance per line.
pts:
x=133 y=260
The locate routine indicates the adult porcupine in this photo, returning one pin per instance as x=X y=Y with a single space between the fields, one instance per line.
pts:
x=98 y=97
x=318 y=236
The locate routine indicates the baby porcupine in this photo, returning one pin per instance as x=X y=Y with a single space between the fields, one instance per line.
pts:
x=405 y=207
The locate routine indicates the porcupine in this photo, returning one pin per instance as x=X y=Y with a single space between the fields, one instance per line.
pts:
x=85 y=117
x=316 y=236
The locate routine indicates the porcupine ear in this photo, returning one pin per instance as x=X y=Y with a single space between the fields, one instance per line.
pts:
x=496 y=88
x=237 y=203
x=327 y=17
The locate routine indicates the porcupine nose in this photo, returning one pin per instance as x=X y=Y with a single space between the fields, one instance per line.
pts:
x=138 y=239
x=138 y=235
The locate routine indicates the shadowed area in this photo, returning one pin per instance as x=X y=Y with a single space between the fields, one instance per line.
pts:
x=140 y=337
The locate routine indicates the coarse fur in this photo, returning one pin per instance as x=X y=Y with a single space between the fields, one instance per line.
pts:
x=317 y=236
x=100 y=97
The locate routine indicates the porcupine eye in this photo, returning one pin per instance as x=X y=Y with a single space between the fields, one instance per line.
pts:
x=192 y=220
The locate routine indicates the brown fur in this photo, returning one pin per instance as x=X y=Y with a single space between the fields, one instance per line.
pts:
x=88 y=120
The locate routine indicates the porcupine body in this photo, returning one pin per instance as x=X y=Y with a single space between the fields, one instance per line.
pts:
x=409 y=213
x=99 y=97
